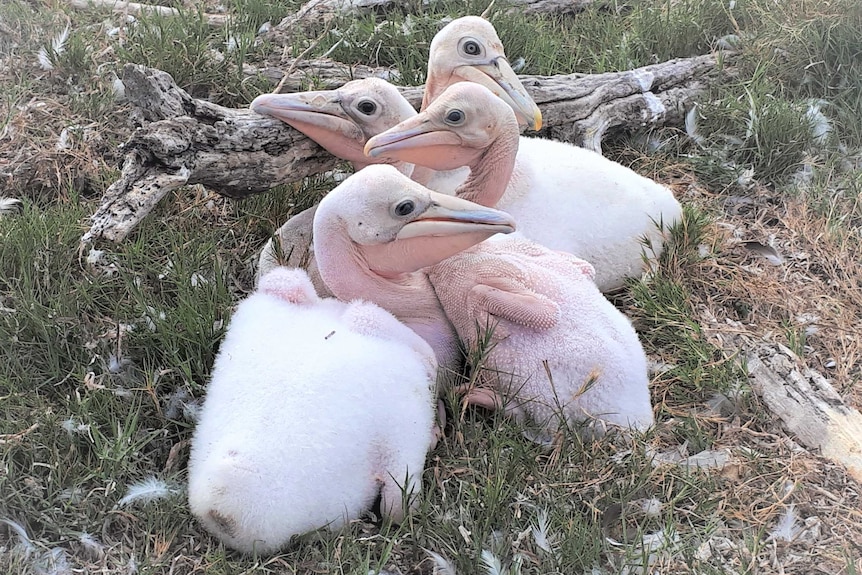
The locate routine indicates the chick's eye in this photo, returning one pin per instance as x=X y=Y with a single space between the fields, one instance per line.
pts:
x=405 y=208
x=455 y=117
x=472 y=48
x=367 y=107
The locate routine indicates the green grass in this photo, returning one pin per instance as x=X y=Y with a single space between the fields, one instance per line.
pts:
x=97 y=359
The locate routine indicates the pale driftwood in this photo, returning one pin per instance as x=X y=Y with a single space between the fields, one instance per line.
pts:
x=136 y=9
x=577 y=108
x=560 y=7
x=238 y=153
x=190 y=141
x=317 y=74
x=804 y=401
x=320 y=12
x=582 y=108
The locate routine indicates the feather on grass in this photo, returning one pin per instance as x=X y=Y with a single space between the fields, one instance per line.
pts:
x=147 y=491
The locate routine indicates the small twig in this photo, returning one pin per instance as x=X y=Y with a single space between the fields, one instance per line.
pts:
x=13 y=437
x=487 y=10
x=299 y=58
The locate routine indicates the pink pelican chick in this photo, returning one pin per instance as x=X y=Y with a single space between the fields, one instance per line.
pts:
x=559 y=347
x=376 y=231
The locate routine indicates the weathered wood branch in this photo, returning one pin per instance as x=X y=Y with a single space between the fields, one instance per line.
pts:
x=319 y=12
x=238 y=153
x=137 y=9
x=804 y=401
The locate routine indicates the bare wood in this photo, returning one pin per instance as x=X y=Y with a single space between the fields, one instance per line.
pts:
x=321 y=12
x=238 y=153
x=190 y=141
x=804 y=401
x=553 y=6
x=137 y=9
x=317 y=74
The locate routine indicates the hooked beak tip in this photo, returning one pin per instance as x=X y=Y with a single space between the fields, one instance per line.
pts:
x=537 y=120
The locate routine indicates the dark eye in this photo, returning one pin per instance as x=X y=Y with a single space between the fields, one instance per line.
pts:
x=472 y=48
x=367 y=107
x=454 y=117
x=405 y=208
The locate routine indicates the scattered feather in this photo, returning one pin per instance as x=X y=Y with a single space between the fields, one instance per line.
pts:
x=117 y=365
x=746 y=178
x=192 y=410
x=63 y=141
x=23 y=539
x=518 y=64
x=119 y=89
x=9 y=205
x=95 y=256
x=651 y=507
x=765 y=251
x=150 y=317
x=232 y=44
x=442 y=566
x=147 y=491
x=198 y=280
x=540 y=532
x=58 y=43
x=58 y=46
x=821 y=127
x=181 y=405
x=787 y=528
x=264 y=28
x=691 y=127
x=492 y=563
x=92 y=545
x=52 y=562
x=44 y=59
x=73 y=427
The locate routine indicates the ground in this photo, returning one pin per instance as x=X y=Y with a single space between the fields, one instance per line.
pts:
x=105 y=354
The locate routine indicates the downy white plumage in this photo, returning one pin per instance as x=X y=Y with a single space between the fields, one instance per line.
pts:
x=314 y=408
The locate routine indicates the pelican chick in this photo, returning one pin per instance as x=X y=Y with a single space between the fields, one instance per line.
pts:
x=593 y=202
x=558 y=346
x=559 y=350
x=314 y=408
x=563 y=197
x=375 y=231
x=341 y=121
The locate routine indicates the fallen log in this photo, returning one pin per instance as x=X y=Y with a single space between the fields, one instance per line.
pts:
x=137 y=9
x=318 y=13
x=804 y=401
x=237 y=152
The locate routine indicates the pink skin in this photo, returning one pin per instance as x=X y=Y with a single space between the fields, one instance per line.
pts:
x=484 y=137
x=367 y=249
x=469 y=50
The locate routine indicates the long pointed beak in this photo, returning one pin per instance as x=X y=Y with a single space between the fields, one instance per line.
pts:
x=299 y=105
x=450 y=215
x=409 y=134
x=498 y=76
x=319 y=116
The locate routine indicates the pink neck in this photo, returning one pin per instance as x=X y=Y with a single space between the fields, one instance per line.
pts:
x=491 y=172
x=409 y=297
